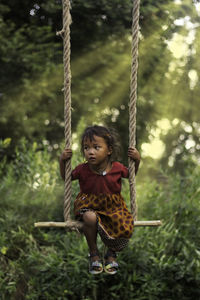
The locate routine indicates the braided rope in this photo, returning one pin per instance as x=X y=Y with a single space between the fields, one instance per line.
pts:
x=132 y=103
x=67 y=102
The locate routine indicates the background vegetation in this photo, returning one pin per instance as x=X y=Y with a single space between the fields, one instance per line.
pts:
x=31 y=73
x=50 y=264
x=162 y=263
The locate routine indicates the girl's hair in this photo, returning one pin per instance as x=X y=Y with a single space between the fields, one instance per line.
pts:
x=109 y=135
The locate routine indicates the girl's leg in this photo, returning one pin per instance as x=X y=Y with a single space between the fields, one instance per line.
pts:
x=111 y=255
x=90 y=232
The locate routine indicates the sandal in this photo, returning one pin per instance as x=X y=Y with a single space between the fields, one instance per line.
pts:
x=111 y=267
x=93 y=265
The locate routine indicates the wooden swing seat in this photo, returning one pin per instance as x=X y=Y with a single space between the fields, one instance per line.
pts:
x=74 y=225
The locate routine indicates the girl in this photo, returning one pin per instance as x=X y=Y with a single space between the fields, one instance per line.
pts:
x=99 y=204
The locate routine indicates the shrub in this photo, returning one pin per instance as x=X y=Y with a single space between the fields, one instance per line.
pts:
x=159 y=263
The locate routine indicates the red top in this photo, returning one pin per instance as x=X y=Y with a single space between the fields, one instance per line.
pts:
x=92 y=183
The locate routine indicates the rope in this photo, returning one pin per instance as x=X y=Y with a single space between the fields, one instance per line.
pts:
x=132 y=103
x=65 y=32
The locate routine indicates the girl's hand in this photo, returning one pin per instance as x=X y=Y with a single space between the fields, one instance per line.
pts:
x=134 y=154
x=67 y=154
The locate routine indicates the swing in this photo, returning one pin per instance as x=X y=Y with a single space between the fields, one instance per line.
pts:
x=65 y=33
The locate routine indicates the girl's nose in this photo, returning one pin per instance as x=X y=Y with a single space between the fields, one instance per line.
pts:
x=91 y=151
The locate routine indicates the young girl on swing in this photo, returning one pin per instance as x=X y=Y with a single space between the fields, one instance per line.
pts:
x=99 y=205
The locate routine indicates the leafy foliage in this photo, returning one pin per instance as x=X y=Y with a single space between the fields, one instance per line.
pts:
x=31 y=57
x=158 y=263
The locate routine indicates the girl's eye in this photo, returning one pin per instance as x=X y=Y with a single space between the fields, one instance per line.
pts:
x=97 y=147
x=85 y=147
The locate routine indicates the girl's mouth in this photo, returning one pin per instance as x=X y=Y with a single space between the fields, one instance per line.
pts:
x=92 y=158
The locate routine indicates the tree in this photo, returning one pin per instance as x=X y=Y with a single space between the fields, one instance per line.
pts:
x=32 y=101
x=181 y=95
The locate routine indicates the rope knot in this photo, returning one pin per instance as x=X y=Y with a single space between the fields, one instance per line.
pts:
x=60 y=33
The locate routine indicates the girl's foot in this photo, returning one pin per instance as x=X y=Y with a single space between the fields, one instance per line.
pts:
x=95 y=264
x=111 y=266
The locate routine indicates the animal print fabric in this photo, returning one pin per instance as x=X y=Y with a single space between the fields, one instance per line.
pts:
x=115 y=222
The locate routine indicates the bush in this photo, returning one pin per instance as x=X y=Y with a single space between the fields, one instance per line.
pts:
x=159 y=263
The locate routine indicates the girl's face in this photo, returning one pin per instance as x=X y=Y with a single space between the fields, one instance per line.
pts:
x=96 y=151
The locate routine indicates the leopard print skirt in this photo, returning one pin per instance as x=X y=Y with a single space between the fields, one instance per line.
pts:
x=115 y=222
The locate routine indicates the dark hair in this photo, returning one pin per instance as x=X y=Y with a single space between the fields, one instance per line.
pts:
x=109 y=135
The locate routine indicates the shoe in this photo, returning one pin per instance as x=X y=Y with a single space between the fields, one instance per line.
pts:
x=95 y=267
x=111 y=267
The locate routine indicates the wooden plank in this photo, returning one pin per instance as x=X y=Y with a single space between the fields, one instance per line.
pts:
x=75 y=224
x=148 y=223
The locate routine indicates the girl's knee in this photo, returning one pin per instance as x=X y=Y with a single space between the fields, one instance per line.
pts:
x=89 y=218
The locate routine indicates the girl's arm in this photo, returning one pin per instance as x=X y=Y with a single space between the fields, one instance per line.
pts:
x=135 y=155
x=67 y=154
